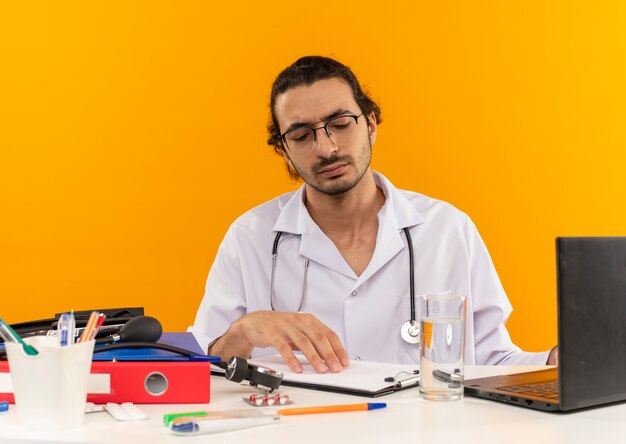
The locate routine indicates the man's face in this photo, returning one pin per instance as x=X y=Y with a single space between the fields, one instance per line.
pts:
x=329 y=168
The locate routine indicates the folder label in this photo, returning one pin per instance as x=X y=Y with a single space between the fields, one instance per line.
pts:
x=99 y=383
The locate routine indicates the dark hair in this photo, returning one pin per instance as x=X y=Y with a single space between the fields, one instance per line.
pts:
x=306 y=71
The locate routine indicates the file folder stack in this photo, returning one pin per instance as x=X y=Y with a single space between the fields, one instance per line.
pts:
x=142 y=376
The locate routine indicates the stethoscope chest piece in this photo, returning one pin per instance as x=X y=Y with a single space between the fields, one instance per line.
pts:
x=237 y=369
x=410 y=331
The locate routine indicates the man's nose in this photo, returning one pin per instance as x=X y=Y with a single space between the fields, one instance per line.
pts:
x=324 y=144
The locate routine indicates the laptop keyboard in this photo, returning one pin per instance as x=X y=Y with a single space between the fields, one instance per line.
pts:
x=544 y=389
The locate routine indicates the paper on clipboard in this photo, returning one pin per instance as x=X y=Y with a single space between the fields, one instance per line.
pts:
x=359 y=378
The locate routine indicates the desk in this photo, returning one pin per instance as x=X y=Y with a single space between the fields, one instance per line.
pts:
x=408 y=419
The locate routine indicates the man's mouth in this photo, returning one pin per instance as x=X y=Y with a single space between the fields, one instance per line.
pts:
x=333 y=170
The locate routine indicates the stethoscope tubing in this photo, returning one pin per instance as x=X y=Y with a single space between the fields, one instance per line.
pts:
x=274 y=258
x=306 y=263
x=411 y=274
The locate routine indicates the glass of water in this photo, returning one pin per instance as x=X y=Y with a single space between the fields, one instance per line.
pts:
x=442 y=347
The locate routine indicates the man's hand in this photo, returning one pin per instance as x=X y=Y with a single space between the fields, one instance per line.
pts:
x=285 y=332
x=553 y=357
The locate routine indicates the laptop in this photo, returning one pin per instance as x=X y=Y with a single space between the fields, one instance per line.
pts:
x=591 y=305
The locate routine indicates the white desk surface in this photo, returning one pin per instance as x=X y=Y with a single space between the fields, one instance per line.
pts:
x=407 y=419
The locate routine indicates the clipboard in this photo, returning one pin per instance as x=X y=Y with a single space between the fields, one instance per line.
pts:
x=361 y=378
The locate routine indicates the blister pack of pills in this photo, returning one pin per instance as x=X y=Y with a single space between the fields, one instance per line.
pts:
x=265 y=399
x=90 y=407
x=126 y=411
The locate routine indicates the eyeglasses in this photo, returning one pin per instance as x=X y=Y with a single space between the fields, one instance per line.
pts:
x=341 y=130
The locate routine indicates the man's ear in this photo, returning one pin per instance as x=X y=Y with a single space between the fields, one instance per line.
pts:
x=372 y=128
x=289 y=164
x=287 y=158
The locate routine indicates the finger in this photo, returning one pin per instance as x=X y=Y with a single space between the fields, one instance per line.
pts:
x=337 y=346
x=285 y=349
x=266 y=329
x=305 y=342
x=309 y=340
x=316 y=347
x=329 y=347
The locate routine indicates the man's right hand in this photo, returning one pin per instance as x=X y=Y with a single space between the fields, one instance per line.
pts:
x=285 y=332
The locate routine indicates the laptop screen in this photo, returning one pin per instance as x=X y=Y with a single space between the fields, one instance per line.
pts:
x=591 y=281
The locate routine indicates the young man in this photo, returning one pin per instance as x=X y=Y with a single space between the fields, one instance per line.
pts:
x=326 y=270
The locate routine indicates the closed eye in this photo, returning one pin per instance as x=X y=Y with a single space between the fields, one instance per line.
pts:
x=339 y=126
x=301 y=137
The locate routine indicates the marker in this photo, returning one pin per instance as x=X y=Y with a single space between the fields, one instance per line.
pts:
x=9 y=335
x=4 y=406
x=168 y=418
x=202 y=426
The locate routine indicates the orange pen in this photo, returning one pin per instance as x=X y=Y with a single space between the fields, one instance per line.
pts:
x=99 y=323
x=332 y=408
x=91 y=324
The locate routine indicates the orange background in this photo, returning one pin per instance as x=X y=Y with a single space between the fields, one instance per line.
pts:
x=133 y=133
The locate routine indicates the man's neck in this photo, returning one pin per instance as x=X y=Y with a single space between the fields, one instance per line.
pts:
x=348 y=212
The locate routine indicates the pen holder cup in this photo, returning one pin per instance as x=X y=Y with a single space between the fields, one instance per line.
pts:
x=50 y=388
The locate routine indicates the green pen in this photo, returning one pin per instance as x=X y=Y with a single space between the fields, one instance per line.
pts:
x=9 y=335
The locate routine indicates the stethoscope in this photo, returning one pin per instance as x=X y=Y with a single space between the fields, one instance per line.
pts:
x=410 y=330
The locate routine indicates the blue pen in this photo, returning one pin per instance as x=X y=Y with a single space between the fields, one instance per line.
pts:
x=63 y=329
x=9 y=335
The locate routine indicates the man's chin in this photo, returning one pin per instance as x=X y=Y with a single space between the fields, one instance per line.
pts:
x=334 y=187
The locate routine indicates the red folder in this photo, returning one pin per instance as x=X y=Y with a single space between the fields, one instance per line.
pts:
x=140 y=382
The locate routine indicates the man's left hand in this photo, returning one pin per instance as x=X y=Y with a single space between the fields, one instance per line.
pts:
x=553 y=357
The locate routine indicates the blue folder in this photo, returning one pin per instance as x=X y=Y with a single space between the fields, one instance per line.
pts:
x=184 y=340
